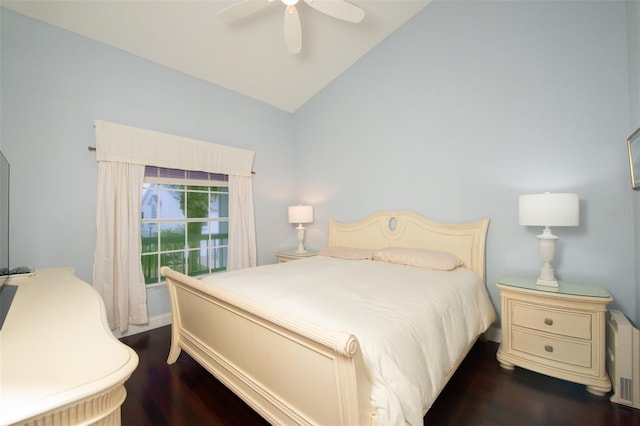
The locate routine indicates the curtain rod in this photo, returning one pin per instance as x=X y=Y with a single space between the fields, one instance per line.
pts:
x=93 y=148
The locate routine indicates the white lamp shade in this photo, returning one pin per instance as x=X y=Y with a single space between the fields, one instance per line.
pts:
x=549 y=209
x=300 y=214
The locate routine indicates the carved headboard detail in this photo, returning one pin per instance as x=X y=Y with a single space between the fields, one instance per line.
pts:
x=408 y=229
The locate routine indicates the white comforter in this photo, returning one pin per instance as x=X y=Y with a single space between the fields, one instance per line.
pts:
x=412 y=324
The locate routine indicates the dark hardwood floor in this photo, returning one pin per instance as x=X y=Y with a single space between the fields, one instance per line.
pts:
x=480 y=393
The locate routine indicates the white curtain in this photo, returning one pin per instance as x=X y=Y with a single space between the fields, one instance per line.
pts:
x=242 y=233
x=117 y=272
x=123 y=152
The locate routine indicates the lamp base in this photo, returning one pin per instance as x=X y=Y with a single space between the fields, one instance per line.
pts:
x=547 y=248
x=547 y=283
x=300 y=232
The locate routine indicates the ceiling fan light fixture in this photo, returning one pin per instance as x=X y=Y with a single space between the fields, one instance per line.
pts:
x=339 y=9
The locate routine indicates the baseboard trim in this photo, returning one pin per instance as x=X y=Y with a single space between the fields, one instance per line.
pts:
x=154 y=322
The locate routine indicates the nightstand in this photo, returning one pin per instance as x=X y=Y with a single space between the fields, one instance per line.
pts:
x=559 y=331
x=287 y=256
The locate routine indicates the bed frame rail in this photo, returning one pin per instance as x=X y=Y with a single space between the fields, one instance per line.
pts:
x=289 y=371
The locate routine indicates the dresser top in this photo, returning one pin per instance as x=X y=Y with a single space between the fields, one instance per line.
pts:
x=564 y=287
x=55 y=346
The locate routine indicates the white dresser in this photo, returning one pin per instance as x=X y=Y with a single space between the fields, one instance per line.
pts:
x=59 y=362
x=559 y=332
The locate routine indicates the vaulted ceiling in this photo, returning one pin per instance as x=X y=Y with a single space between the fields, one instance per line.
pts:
x=247 y=56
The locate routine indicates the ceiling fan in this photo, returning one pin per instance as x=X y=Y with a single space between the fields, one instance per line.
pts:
x=339 y=9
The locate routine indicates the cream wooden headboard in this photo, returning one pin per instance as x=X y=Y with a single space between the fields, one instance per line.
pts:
x=407 y=229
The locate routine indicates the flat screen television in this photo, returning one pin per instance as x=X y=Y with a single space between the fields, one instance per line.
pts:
x=4 y=219
x=7 y=291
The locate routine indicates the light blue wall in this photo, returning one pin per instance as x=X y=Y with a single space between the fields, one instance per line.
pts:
x=633 y=49
x=54 y=84
x=471 y=104
x=453 y=116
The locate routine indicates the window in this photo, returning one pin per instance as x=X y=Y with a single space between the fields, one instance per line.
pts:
x=185 y=222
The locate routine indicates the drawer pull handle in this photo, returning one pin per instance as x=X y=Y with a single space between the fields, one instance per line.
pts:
x=548 y=321
x=548 y=348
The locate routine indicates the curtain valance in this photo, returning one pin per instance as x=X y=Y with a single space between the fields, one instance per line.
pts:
x=126 y=144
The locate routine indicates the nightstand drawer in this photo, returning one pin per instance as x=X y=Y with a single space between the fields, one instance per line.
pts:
x=544 y=346
x=566 y=323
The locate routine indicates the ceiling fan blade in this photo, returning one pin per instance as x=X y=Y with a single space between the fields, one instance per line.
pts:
x=292 y=30
x=242 y=9
x=339 y=9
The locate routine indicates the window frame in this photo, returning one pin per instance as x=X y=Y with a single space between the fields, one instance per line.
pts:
x=183 y=179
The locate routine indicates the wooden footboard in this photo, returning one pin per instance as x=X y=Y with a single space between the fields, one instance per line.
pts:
x=289 y=371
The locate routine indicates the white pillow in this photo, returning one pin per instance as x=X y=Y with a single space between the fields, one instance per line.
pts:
x=351 y=253
x=421 y=258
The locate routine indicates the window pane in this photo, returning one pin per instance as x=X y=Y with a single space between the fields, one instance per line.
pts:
x=218 y=228
x=149 y=233
x=172 y=236
x=219 y=205
x=196 y=232
x=173 y=260
x=151 y=171
x=150 y=268
x=218 y=247
x=216 y=177
x=197 y=175
x=171 y=173
x=149 y=201
x=219 y=240
x=219 y=189
x=197 y=262
x=218 y=258
x=197 y=204
x=171 y=204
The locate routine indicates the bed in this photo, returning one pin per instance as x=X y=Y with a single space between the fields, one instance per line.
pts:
x=365 y=333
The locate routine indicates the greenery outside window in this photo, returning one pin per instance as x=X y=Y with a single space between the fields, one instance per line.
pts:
x=185 y=222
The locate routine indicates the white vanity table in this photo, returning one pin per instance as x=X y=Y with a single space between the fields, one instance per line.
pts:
x=59 y=362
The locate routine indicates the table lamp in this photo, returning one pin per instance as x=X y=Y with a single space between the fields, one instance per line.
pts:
x=300 y=214
x=548 y=209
